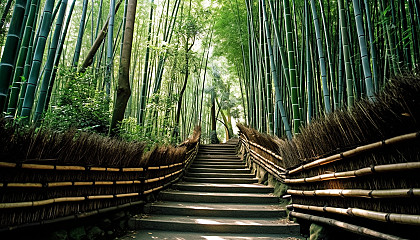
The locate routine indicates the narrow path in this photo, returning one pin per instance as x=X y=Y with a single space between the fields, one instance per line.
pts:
x=218 y=199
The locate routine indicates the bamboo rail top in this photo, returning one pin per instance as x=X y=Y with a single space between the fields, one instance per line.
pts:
x=355 y=151
x=389 y=193
x=368 y=214
x=357 y=173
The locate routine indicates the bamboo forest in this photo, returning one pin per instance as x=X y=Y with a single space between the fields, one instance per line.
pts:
x=209 y=119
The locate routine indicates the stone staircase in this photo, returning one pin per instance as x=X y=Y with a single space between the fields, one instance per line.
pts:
x=219 y=199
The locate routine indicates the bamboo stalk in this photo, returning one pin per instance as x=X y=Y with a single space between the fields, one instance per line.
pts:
x=75 y=216
x=391 y=193
x=69 y=168
x=357 y=173
x=347 y=226
x=152 y=190
x=355 y=151
x=408 y=219
x=100 y=197
x=62 y=199
x=65 y=184
x=127 y=195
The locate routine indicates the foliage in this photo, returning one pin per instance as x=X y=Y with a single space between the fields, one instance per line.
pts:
x=80 y=105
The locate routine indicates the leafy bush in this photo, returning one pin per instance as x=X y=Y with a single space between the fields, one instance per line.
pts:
x=80 y=105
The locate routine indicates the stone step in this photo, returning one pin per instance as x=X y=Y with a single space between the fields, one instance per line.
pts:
x=220 y=175
x=221 y=180
x=218 y=146
x=216 y=209
x=217 y=166
x=217 y=225
x=218 y=197
x=219 y=156
x=218 y=159
x=215 y=187
x=211 y=162
x=217 y=170
x=181 y=235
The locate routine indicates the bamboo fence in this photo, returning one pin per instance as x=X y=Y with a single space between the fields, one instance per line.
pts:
x=346 y=226
x=283 y=176
x=355 y=151
x=367 y=214
x=148 y=185
x=361 y=193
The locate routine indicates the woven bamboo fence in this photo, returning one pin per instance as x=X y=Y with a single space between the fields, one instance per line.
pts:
x=356 y=169
x=42 y=191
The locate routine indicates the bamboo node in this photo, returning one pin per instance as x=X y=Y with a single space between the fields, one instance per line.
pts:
x=350 y=212
x=372 y=168
x=410 y=192
x=387 y=217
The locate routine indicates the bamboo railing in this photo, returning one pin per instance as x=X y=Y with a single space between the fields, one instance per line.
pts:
x=387 y=168
x=169 y=174
x=346 y=226
x=355 y=151
x=253 y=151
x=367 y=214
x=361 y=193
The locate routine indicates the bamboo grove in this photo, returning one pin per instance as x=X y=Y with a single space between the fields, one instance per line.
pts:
x=135 y=68
x=305 y=59
x=154 y=69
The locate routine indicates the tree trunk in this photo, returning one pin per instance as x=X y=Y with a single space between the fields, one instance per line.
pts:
x=123 y=90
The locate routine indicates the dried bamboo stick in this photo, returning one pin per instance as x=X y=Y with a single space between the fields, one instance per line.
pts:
x=357 y=173
x=65 y=184
x=75 y=216
x=390 y=193
x=81 y=168
x=347 y=226
x=100 y=197
x=368 y=214
x=59 y=200
x=127 y=195
x=355 y=151
x=152 y=190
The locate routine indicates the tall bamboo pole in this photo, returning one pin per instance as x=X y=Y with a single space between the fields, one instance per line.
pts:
x=363 y=50
x=37 y=60
x=292 y=67
x=321 y=57
x=7 y=64
x=50 y=62
x=346 y=53
x=278 y=99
